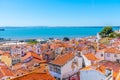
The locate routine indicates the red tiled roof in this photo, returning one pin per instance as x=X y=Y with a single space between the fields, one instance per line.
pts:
x=5 y=71
x=35 y=76
x=101 y=66
x=40 y=73
x=6 y=54
x=63 y=59
x=112 y=50
x=113 y=65
x=29 y=54
x=91 y=56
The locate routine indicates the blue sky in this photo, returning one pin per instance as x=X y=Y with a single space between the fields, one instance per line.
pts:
x=59 y=12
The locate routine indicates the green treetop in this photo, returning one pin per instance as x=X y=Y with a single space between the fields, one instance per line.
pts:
x=106 y=31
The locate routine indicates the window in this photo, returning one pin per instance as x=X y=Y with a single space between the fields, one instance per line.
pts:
x=18 y=60
x=38 y=51
x=58 y=78
x=117 y=60
x=74 y=61
x=17 y=74
x=55 y=68
x=58 y=70
x=50 y=68
x=101 y=55
x=22 y=52
x=115 y=55
x=13 y=60
x=108 y=55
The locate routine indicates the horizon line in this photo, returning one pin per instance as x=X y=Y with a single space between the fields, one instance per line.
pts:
x=63 y=26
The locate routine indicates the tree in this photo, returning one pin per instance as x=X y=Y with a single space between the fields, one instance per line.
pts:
x=106 y=31
x=113 y=35
x=118 y=35
x=66 y=39
x=32 y=42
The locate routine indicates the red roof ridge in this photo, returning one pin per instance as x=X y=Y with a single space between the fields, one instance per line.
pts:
x=63 y=59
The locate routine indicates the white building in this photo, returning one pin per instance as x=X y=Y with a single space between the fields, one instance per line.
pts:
x=112 y=54
x=89 y=59
x=96 y=72
x=100 y=54
x=65 y=66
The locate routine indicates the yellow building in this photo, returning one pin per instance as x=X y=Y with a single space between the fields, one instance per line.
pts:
x=6 y=58
x=10 y=60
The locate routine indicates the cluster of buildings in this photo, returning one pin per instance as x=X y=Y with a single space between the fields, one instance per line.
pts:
x=55 y=59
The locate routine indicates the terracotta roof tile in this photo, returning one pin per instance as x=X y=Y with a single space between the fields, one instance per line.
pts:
x=113 y=65
x=29 y=54
x=112 y=50
x=63 y=59
x=91 y=56
x=35 y=76
x=7 y=54
x=5 y=71
x=40 y=73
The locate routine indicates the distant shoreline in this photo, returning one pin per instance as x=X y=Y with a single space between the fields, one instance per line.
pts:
x=54 y=26
x=19 y=33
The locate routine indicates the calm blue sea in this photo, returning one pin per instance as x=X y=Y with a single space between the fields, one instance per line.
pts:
x=47 y=32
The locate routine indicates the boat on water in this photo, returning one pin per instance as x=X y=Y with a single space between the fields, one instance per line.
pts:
x=2 y=29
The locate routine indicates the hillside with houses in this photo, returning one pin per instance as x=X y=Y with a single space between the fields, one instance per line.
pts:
x=88 y=58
